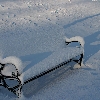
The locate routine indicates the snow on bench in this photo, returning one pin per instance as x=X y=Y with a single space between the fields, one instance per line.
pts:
x=50 y=62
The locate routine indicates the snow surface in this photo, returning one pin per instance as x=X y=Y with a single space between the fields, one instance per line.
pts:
x=37 y=27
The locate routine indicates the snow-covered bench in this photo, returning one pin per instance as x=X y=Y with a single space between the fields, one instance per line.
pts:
x=11 y=66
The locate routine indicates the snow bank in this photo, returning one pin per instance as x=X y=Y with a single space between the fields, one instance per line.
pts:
x=76 y=38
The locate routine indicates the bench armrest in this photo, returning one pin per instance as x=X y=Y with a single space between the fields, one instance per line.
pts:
x=75 y=39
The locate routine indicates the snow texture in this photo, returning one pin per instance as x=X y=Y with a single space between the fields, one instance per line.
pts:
x=29 y=27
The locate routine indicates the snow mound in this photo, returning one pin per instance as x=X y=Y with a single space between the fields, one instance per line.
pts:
x=76 y=38
x=9 y=67
x=13 y=60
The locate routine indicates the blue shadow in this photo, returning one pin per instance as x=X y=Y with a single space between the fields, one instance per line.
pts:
x=34 y=59
x=91 y=49
x=80 y=20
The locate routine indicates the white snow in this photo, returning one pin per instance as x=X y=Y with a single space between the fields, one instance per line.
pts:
x=9 y=68
x=76 y=66
x=32 y=27
x=13 y=60
x=50 y=62
x=76 y=38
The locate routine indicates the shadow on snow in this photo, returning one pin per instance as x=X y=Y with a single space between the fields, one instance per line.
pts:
x=91 y=49
x=80 y=20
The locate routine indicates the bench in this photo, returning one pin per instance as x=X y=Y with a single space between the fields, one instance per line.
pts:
x=56 y=60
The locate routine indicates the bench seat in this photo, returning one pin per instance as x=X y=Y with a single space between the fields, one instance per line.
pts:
x=56 y=58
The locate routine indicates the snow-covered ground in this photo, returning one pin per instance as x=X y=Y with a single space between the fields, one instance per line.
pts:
x=30 y=28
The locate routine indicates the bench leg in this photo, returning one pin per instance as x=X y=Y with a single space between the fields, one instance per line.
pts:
x=19 y=91
x=78 y=61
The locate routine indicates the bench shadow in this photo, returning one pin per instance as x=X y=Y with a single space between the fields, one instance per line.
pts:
x=34 y=59
x=37 y=85
x=80 y=20
x=90 y=50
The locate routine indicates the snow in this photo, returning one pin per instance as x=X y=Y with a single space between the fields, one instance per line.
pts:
x=36 y=27
x=48 y=63
x=77 y=39
x=13 y=60
x=9 y=68
x=95 y=43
